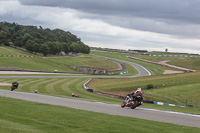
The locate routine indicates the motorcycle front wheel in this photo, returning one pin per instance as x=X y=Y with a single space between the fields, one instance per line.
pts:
x=13 y=88
x=123 y=104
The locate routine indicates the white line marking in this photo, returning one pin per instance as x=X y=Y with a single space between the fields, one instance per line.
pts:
x=172 y=112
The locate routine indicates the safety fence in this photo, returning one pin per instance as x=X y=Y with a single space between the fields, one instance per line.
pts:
x=192 y=103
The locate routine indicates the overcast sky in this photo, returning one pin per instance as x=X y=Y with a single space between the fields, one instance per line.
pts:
x=121 y=24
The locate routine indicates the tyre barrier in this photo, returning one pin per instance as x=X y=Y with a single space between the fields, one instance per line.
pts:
x=90 y=90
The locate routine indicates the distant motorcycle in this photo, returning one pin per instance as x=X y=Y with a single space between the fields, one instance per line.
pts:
x=14 y=86
x=132 y=102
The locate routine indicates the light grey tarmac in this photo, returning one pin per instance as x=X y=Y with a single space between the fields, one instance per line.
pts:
x=148 y=114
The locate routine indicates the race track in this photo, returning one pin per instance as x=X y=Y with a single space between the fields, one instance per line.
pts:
x=143 y=113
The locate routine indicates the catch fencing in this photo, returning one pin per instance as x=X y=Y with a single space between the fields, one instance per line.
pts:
x=192 y=103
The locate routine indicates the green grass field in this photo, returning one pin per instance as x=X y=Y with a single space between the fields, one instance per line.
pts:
x=187 y=62
x=19 y=116
x=34 y=63
x=4 y=50
x=62 y=87
x=50 y=64
x=85 y=60
x=169 y=53
x=7 y=51
x=36 y=117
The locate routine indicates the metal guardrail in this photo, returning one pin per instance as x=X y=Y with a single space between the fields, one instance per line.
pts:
x=174 y=55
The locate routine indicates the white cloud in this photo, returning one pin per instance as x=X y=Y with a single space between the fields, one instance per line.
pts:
x=108 y=35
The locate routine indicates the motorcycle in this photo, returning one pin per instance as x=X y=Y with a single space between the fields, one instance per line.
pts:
x=14 y=86
x=132 y=102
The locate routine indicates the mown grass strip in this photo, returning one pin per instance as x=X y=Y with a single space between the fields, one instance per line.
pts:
x=64 y=87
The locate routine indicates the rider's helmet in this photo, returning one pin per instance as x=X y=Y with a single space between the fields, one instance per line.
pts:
x=139 y=89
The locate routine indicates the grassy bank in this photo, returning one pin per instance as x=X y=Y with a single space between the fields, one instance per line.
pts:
x=11 y=57
x=167 y=88
x=19 y=116
x=85 y=60
x=187 y=62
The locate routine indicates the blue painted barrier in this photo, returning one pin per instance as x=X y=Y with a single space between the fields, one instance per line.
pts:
x=160 y=103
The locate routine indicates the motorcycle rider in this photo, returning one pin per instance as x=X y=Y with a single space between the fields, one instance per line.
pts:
x=136 y=93
x=14 y=85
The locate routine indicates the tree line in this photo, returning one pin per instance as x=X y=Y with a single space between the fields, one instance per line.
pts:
x=37 y=39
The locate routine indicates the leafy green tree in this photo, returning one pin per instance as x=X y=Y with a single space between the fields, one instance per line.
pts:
x=36 y=47
x=17 y=41
x=29 y=45
x=25 y=38
x=66 y=48
x=52 y=47
x=59 y=46
x=44 y=49
x=33 y=38
x=74 y=48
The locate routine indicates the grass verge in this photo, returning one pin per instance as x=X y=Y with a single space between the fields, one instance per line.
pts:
x=19 y=116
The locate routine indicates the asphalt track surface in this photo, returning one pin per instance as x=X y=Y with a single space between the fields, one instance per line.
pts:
x=141 y=70
x=113 y=109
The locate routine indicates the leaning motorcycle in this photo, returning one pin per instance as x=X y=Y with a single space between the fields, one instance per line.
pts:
x=14 y=86
x=132 y=102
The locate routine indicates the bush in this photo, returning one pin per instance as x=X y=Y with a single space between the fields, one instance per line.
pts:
x=149 y=86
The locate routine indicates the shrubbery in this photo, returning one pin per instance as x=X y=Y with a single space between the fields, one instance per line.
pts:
x=149 y=86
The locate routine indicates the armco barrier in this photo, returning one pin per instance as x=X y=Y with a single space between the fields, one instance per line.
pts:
x=86 y=88
x=174 y=55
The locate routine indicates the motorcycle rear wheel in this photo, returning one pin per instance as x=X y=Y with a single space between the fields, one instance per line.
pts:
x=134 y=105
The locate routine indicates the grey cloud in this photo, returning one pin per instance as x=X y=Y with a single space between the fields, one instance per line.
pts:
x=157 y=26
x=179 y=10
x=174 y=17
